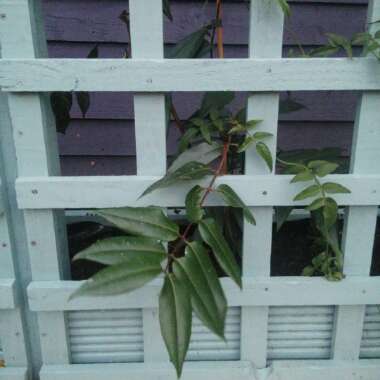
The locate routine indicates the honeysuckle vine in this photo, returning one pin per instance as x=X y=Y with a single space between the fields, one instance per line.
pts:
x=191 y=258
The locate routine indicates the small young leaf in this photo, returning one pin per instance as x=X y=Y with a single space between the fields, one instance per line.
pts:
x=335 y=188
x=262 y=135
x=252 y=124
x=308 y=271
x=282 y=214
x=289 y=105
x=264 y=152
x=233 y=200
x=83 y=99
x=186 y=138
x=194 y=211
x=304 y=176
x=330 y=212
x=121 y=278
x=203 y=153
x=203 y=127
x=309 y=192
x=322 y=168
x=122 y=249
x=142 y=221
x=197 y=272
x=239 y=128
x=212 y=235
x=175 y=320
x=249 y=140
x=324 y=51
x=188 y=172
x=316 y=204
x=340 y=41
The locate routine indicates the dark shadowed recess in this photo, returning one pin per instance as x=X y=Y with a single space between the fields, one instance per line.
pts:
x=103 y=143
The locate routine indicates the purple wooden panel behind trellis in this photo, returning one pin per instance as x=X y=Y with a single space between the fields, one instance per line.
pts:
x=104 y=142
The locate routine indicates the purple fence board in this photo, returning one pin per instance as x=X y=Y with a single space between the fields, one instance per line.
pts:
x=104 y=142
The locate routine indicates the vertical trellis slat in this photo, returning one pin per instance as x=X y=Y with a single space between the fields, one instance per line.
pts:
x=360 y=222
x=147 y=40
x=265 y=41
x=36 y=156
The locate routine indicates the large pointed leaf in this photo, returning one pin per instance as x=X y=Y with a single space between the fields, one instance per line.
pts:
x=310 y=191
x=216 y=100
x=335 y=188
x=233 y=200
x=121 y=278
x=191 y=46
x=188 y=172
x=194 y=210
x=121 y=249
x=175 y=320
x=83 y=99
x=264 y=152
x=213 y=236
x=330 y=212
x=142 y=221
x=203 y=153
x=208 y=300
x=61 y=103
x=282 y=213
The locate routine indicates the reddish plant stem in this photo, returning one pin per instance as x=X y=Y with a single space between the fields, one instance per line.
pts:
x=218 y=172
x=219 y=29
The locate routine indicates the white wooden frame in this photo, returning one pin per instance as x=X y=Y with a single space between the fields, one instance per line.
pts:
x=40 y=192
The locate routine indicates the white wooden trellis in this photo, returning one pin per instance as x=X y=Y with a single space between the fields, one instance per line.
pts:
x=13 y=345
x=40 y=191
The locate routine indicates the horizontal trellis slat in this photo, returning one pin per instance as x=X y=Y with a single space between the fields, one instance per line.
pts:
x=287 y=370
x=281 y=291
x=160 y=75
x=110 y=191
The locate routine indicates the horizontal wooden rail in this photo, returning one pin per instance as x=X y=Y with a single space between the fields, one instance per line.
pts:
x=100 y=192
x=281 y=370
x=152 y=75
x=7 y=294
x=275 y=291
x=16 y=373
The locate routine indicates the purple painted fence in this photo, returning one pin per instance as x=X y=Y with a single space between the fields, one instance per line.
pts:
x=103 y=143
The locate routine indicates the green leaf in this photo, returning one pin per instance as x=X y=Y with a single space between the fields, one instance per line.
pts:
x=252 y=124
x=308 y=271
x=61 y=103
x=121 y=278
x=322 y=168
x=330 y=212
x=142 y=221
x=194 y=211
x=212 y=235
x=264 y=152
x=216 y=100
x=335 y=188
x=191 y=46
x=167 y=10
x=289 y=105
x=316 y=204
x=303 y=176
x=175 y=320
x=284 y=6
x=208 y=300
x=324 y=51
x=83 y=99
x=186 y=138
x=340 y=41
x=94 y=52
x=188 y=172
x=262 y=135
x=203 y=127
x=309 y=192
x=239 y=128
x=249 y=140
x=203 y=153
x=233 y=200
x=282 y=214
x=121 y=249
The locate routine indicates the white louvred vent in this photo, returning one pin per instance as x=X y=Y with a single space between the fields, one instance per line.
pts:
x=370 y=346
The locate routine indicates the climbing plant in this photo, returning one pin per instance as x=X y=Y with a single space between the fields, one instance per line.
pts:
x=191 y=258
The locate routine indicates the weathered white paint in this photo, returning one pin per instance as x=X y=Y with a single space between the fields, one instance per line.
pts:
x=7 y=294
x=14 y=374
x=360 y=222
x=293 y=370
x=159 y=75
x=147 y=41
x=265 y=41
x=36 y=154
x=255 y=190
x=281 y=291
